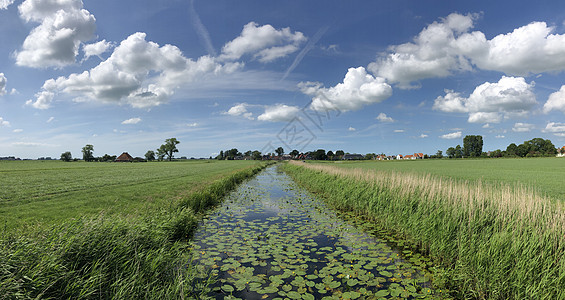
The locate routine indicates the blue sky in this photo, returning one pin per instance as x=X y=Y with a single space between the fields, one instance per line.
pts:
x=393 y=77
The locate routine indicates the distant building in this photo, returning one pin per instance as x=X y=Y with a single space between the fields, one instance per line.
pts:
x=353 y=157
x=124 y=157
x=9 y=158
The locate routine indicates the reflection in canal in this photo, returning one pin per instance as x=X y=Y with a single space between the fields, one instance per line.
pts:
x=272 y=239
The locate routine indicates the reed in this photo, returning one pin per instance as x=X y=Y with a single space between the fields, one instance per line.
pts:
x=492 y=241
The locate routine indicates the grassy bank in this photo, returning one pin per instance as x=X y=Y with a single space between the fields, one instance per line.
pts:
x=117 y=256
x=493 y=241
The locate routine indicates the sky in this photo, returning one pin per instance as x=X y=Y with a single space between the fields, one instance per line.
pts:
x=393 y=77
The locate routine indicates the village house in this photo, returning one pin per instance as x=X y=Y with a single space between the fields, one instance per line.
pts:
x=124 y=157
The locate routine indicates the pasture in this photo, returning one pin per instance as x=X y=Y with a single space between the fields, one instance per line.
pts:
x=48 y=192
x=544 y=175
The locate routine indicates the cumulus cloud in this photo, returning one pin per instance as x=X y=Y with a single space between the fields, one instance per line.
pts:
x=138 y=72
x=357 y=90
x=240 y=110
x=96 y=49
x=4 y=123
x=382 y=117
x=5 y=3
x=399 y=130
x=51 y=119
x=449 y=45
x=264 y=43
x=556 y=101
x=491 y=102
x=192 y=124
x=499 y=136
x=423 y=136
x=63 y=26
x=522 y=127
x=18 y=130
x=432 y=53
x=451 y=136
x=557 y=129
x=131 y=121
x=279 y=113
x=3 y=82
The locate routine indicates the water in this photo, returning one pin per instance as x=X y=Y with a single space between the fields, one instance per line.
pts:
x=272 y=239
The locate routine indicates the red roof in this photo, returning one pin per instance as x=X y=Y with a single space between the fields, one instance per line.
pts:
x=124 y=157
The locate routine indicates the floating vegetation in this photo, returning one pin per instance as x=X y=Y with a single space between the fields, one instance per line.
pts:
x=271 y=239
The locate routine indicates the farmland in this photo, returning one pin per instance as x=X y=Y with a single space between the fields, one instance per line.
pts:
x=51 y=191
x=545 y=175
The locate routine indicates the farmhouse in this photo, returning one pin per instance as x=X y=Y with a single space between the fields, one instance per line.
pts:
x=124 y=157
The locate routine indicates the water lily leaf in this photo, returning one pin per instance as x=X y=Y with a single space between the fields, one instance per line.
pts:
x=227 y=288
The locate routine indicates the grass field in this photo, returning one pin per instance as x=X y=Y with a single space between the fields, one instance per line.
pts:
x=107 y=231
x=51 y=191
x=545 y=175
x=489 y=241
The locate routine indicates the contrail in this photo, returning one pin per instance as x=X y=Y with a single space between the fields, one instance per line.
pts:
x=311 y=43
x=201 y=31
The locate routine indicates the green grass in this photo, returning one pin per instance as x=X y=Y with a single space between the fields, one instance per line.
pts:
x=47 y=192
x=546 y=175
x=121 y=234
x=488 y=241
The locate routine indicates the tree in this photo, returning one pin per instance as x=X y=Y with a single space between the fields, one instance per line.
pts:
x=256 y=155
x=150 y=155
x=450 y=152
x=512 y=150
x=66 y=156
x=294 y=153
x=248 y=153
x=107 y=157
x=87 y=153
x=168 y=149
x=320 y=154
x=280 y=151
x=330 y=155
x=472 y=146
x=458 y=152
x=339 y=153
x=439 y=154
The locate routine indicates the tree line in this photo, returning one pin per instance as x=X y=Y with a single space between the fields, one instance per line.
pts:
x=473 y=145
x=166 y=150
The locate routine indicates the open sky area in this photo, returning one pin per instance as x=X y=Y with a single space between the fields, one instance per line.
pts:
x=393 y=77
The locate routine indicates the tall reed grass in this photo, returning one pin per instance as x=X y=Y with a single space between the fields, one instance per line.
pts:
x=144 y=257
x=493 y=242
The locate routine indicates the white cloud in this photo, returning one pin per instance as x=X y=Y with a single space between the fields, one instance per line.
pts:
x=357 y=90
x=451 y=136
x=522 y=127
x=382 y=117
x=430 y=55
x=528 y=49
x=18 y=130
x=192 y=124
x=491 y=102
x=556 y=101
x=32 y=144
x=423 y=136
x=4 y=123
x=351 y=129
x=5 y=3
x=50 y=119
x=64 y=25
x=265 y=43
x=131 y=121
x=499 y=136
x=3 y=82
x=449 y=46
x=557 y=129
x=139 y=73
x=240 y=110
x=399 y=130
x=96 y=49
x=279 y=113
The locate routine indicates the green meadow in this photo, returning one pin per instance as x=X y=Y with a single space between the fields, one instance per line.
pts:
x=545 y=175
x=106 y=230
x=47 y=192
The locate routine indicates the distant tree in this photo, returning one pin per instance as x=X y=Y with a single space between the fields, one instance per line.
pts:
x=87 y=153
x=512 y=150
x=339 y=153
x=66 y=156
x=370 y=156
x=232 y=154
x=439 y=154
x=330 y=155
x=279 y=151
x=472 y=146
x=168 y=149
x=450 y=152
x=107 y=157
x=256 y=155
x=320 y=154
x=294 y=153
x=161 y=153
x=561 y=150
x=150 y=155
x=221 y=155
x=496 y=153
x=248 y=153
x=458 y=152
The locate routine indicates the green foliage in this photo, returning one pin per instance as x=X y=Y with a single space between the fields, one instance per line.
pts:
x=150 y=155
x=66 y=156
x=279 y=151
x=472 y=145
x=169 y=148
x=87 y=153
